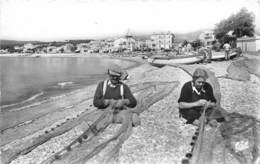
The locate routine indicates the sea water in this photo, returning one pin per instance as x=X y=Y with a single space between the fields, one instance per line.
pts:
x=27 y=79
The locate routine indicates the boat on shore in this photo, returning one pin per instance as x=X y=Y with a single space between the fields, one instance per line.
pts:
x=160 y=61
x=221 y=55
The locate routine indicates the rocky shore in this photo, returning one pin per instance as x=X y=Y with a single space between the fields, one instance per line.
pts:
x=162 y=137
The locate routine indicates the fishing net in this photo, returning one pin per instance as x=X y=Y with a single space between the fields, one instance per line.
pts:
x=240 y=134
x=235 y=140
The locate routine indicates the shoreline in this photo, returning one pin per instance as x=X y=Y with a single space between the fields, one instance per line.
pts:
x=100 y=55
x=137 y=58
x=128 y=64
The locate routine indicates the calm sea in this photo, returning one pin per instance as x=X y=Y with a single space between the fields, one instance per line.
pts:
x=25 y=80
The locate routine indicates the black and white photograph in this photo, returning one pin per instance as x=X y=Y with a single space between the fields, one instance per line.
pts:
x=130 y=81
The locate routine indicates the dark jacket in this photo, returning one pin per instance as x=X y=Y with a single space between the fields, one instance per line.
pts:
x=188 y=95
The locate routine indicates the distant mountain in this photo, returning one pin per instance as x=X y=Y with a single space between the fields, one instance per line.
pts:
x=11 y=43
x=80 y=41
x=179 y=37
x=17 y=43
x=143 y=37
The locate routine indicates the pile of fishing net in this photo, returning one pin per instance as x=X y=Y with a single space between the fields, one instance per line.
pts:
x=240 y=134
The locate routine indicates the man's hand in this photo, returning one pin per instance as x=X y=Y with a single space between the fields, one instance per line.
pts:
x=121 y=103
x=110 y=102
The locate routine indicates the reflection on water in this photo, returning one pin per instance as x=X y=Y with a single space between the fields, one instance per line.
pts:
x=24 y=79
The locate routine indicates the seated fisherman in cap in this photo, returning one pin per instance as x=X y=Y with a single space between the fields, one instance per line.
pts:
x=195 y=95
x=117 y=94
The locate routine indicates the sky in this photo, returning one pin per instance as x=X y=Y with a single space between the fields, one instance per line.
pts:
x=85 y=19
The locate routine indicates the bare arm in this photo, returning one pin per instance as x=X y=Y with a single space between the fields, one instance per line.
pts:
x=211 y=104
x=201 y=102
x=186 y=105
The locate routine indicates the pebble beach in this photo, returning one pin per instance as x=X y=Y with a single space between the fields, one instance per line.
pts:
x=163 y=136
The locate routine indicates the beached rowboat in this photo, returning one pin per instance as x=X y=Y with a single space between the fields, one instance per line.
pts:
x=221 y=55
x=166 y=60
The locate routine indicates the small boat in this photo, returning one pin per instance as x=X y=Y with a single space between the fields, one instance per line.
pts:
x=221 y=55
x=160 y=61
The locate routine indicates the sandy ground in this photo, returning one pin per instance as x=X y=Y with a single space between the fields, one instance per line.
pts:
x=163 y=137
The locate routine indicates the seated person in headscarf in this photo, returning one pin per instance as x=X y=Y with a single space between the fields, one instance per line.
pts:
x=194 y=96
x=117 y=94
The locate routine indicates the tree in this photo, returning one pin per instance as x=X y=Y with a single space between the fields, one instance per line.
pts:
x=240 y=24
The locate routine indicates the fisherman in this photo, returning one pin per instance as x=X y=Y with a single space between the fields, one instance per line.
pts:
x=189 y=47
x=195 y=95
x=207 y=54
x=227 y=48
x=117 y=94
x=179 y=48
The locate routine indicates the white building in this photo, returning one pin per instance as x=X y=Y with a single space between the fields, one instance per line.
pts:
x=2 y=51
x=82 y=47
x=207 y=38
x=125 y=43
x=29 y=48
x=162 y=41
x=150 y=44
x=249 y=43
x=141 y=45
x=51 y=49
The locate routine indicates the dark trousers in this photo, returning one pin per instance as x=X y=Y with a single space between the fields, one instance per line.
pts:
x=190 y=115
x=193 y=114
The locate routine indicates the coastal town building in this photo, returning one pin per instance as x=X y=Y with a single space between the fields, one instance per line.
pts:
x=29 y=48
x=125 y=43
x=95 y=46
x=207 y=38
x=249 y=44
x=162 y=41
x=43 y=50
x=141 y=45
x=18 y=49
x=51 y=49
x=106 y=45
x=3 y=51
x=68 y=48
x=82 y=48
x=150 y=44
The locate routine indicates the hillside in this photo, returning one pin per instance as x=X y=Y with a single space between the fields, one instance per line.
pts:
x=179 y=37
x=11 y=43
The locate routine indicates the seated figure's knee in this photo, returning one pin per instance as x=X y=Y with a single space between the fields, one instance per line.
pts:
x=136 y=120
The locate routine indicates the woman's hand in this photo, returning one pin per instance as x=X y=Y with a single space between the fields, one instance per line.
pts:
x=201 y=102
